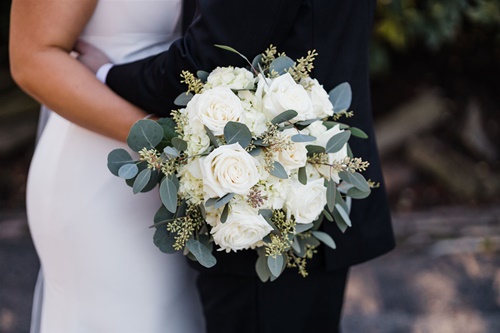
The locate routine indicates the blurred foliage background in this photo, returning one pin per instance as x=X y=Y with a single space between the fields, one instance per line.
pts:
x=436 y=97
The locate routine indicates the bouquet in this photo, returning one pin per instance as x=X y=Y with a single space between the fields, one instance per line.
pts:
x=255 y=159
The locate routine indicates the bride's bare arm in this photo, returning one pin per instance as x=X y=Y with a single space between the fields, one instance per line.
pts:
x=42 y=34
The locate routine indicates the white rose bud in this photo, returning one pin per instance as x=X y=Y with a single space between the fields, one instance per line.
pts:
x=243 y=229
x=295 y=156
x=321 y=140
x=306 y=202
x=228 y=169
x=282 y=94
x=234 y=78
x=319 y=97
x=214 y=108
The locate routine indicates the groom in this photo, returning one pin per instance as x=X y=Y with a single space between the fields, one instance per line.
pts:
x=234 y=299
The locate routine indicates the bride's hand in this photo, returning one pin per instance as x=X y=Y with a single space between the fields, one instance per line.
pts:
x=90 y=56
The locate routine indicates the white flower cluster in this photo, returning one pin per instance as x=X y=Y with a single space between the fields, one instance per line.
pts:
x=237 y=95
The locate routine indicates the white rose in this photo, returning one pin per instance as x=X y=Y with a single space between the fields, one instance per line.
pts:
x=214 y=108
x=295 y=156
x=234 y=78
x=321 y=140
x=228 y=169
x=319 y=97
x=243 y=229
x=282 y=94
x=306 y=202
x=275 y=189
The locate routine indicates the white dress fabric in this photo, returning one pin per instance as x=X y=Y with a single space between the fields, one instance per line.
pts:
x=102 y=272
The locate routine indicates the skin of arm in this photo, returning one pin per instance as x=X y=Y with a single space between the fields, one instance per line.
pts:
x=42 y=35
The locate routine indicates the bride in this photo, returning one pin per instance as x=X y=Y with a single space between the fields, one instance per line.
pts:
x=102 y=272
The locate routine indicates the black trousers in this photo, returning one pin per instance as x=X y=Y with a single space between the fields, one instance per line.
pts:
x=291 y=304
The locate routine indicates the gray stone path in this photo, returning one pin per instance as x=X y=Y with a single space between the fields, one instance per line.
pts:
x=444 y=277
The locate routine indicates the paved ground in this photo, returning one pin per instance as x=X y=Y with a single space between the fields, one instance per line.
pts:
x=444 y=277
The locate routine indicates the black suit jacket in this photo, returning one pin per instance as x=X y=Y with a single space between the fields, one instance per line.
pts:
x=338 y=29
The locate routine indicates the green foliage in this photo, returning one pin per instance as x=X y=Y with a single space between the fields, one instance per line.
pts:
x=402 y=25
x=145 y=133
x=341 y=97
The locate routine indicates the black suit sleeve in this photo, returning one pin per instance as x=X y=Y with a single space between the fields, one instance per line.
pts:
x=249 y=26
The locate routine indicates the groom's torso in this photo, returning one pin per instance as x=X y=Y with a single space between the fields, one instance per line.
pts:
x=339 y=31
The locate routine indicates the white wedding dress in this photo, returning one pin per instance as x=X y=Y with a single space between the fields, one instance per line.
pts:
x=102 y=272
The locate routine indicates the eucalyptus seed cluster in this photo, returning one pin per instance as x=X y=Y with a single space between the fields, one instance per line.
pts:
x=152 y=157
x=181 y=121
x=337 y=115
x=194 y=84
x=255 y=197
x=303 y=66
x=350 y=164
x=275 y=142
x=184 y=227
x=281 y=242
x=269 y=55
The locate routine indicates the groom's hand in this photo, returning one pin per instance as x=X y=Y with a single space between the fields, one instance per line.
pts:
x=90 y=56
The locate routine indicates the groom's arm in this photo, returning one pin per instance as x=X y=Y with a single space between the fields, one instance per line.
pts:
x=249 y=26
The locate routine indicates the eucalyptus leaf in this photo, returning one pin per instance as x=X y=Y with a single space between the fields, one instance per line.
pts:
x=225 y=213
x=266 y=213
x=168 y=194
x=331 y=192
x=355 y=193
x=356 y=179
x=325 y=238
x=341 y=97
x=344 y=214
x=117 y=158
x=153 y=181
x=145 y=133
x=257 y=60
x=237 y=132
x=328 y=216
x=183 y=99
x=128 y=171
x=337 y=141
x=164 y=240
x=201 y=252
x=224 y=200
x=306 y=122
x=179 y=144
x=162 y=214
x=169 y=126
x=329 y=124
x=312 y=241
x=303 y=227
x=141 y=181
x=296 y=245
x=211 y=136
x=302 y=175
x=202 y=75
x=211 y=202
x=313 y=149
x=275 y=264
x=256 y=151
x=302 y=138
x=358 y=132
x=284 y=116
x=279 y=171
x=171 y=152
x=281 y=65
x=262 y=269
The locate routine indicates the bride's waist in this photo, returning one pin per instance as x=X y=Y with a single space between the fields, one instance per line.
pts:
x=131 y=47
